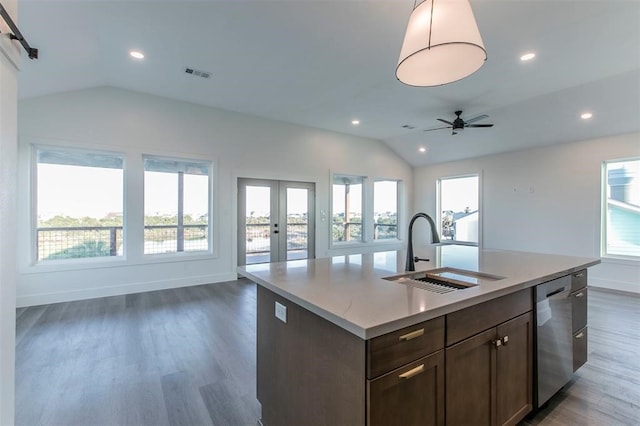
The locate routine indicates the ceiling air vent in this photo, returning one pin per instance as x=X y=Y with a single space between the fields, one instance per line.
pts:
x=197 y=73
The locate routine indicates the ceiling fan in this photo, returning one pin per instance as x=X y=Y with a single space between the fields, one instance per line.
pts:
x=459 y=123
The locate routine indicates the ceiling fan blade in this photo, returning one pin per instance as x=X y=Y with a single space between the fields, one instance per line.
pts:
x=445 y=121
x=437 y=128
x=474 y=119
x=479 y=125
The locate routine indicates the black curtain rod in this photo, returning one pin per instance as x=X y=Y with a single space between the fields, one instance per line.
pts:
x=17 y=35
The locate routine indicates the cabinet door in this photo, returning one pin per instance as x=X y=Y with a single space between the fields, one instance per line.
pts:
x=470 y=378
x=410 y=395
x=579 y=309
x=579 y=348
x=514 y=370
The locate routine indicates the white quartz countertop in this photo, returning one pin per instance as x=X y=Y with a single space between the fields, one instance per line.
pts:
x=350 y=290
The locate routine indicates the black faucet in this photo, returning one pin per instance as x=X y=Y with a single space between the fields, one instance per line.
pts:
x=410 y=265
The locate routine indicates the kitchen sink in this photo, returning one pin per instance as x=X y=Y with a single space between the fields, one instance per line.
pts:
x=443 y=280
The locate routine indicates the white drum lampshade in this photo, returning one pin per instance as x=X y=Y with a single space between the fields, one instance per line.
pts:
x=442 y=44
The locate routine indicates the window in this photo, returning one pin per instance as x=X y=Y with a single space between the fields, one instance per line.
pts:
x=79 y=204
x=459 y=209
x=385 y=209
x=621 y=208
x=346 y=214
x=176 y=205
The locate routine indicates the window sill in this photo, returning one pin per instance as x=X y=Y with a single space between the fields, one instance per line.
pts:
x=120 y=262
x=618 y=260
x=457 y=243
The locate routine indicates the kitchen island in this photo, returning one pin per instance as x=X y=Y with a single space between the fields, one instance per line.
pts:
x=340 y=343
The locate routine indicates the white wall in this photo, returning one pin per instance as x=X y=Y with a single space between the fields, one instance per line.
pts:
x=9 y=63
x=544 y=200
x=240 y=145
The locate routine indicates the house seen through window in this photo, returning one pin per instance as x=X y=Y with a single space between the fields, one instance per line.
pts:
x=621 y=208
x=458 y=200
x=79 y=204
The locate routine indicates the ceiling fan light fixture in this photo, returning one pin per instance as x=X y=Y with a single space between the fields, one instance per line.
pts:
x=442 y=44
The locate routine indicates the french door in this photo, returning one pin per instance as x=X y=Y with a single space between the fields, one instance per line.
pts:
x=275 y=221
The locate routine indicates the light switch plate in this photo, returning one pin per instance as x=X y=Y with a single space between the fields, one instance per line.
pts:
x=281 y=312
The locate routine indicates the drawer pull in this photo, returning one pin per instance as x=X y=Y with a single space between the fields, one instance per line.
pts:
x=413 y=372
x=580 y=335
x=412 y=335
x=579 y=275
x=581 y=294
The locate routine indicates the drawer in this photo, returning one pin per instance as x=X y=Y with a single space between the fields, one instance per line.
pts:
x=579 y=348
x=578 y=309
x=578 y=280
x=393 y=350
x=474 y=319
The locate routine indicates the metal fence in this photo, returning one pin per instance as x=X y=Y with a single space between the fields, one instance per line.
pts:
x=352 y=231
x=258 y=237
x=104 y=241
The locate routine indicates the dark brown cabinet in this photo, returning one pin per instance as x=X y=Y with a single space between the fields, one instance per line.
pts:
x=405 y=369
x=489 y=375
x=411 y=395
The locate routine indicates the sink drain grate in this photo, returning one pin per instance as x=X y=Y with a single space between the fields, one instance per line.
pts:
x=429 y=285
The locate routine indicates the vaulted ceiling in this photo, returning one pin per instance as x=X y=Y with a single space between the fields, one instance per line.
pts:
x=323 y=63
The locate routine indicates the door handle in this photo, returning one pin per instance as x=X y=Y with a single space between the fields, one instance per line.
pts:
x=276 y=232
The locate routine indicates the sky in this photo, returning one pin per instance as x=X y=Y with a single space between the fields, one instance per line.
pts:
x=78 y=191
x=459 y=193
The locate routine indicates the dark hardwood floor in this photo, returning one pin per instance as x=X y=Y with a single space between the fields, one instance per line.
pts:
x=187 y=357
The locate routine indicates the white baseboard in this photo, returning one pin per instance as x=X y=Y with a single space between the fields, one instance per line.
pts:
x=121 y=289
x=608 y=284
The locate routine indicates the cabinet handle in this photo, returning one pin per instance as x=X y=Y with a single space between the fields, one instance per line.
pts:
x=580 y=335
x=497 y=343
x=579 y=275
x=581 y=294
x=413 y=372
x=412 y=335
x=505 y=340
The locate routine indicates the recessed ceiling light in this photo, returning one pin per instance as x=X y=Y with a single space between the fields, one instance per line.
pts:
x=422 y=149
x=586 y=115
x=527 y=56
x=136 y=54
x=355 y=122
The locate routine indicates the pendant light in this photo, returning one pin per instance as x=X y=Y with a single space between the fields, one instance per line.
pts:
x=442 y=44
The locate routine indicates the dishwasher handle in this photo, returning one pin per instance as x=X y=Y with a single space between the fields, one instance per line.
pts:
x=553 y=293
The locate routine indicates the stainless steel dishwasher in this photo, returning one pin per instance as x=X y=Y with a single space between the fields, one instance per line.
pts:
x=554 y=366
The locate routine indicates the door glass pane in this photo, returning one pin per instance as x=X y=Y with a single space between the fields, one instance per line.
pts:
x=258 y=220
x=297 y=223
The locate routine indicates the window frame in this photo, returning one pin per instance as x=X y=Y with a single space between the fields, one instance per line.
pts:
x=181 y=255
x=439 y=215
x=604 y=201
x=34 y=210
